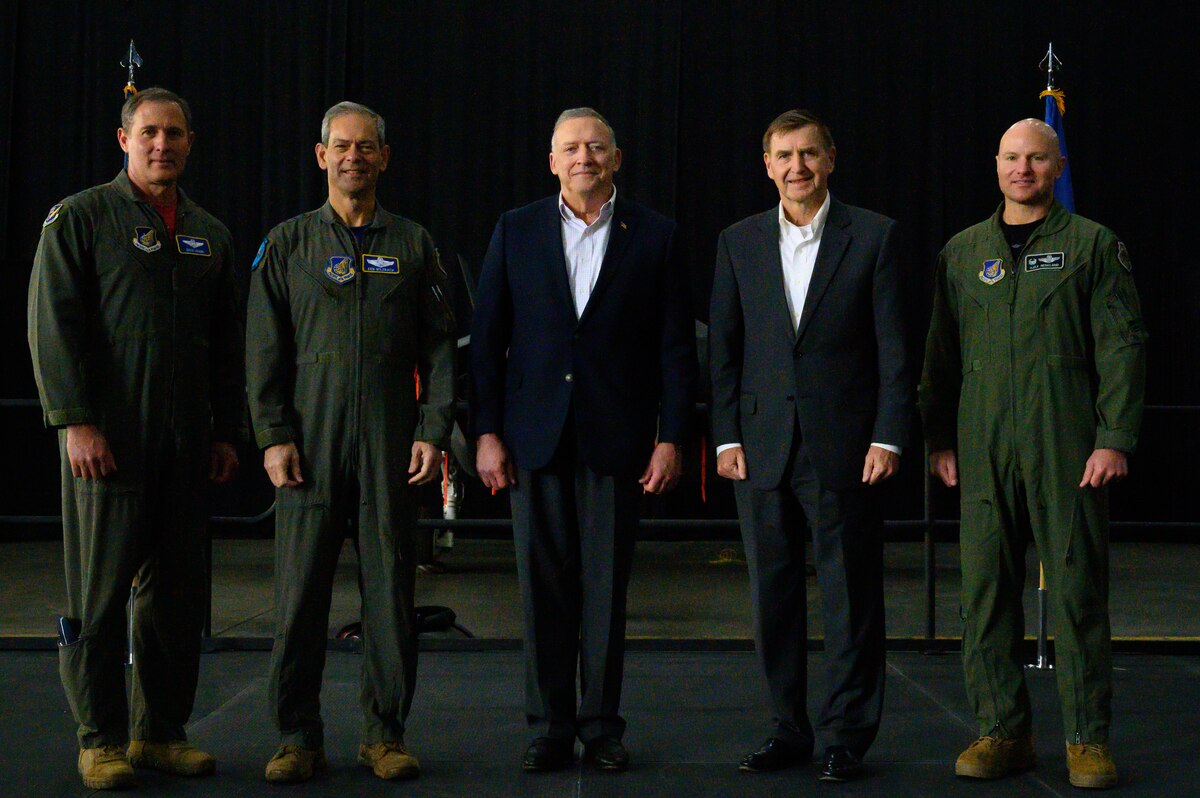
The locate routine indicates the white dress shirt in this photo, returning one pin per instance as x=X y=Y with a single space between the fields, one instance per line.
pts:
x=798 y=246
x=583 y=247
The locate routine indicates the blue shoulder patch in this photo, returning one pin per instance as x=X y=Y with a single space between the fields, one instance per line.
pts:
x=262 y=250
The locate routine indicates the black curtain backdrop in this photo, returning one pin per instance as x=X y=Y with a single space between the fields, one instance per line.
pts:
x=917 y=94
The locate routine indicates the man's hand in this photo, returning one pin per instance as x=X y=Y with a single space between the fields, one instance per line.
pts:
x=222 y=462
x=425 y=464
x=731 y=463
x=88 y=452
x=664 y=469
x=282 y=462
x=493 y=464
x=943 y=464
x=879 y=464
x=1103 y=467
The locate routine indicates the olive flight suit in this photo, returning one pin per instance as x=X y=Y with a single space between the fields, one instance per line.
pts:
x=1030 y=365
x=142 y=335
x=335 y=333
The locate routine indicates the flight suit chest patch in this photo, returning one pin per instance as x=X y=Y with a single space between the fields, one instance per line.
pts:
x=340 y=269
x=992 y=272
x=145 y=239
x=1045 y=261
x=381 y=264
x=193 y=245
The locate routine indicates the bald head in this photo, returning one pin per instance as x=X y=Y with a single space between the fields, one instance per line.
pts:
x=1035 y=128
x=1027 y=164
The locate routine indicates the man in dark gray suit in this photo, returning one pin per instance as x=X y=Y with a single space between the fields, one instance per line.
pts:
x=811 y=404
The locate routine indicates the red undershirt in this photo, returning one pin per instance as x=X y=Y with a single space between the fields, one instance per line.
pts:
x=167 y=212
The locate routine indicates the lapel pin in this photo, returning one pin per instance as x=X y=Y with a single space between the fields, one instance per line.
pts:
x=624 y=226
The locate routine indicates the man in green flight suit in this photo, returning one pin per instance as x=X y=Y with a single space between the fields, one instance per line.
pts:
x=346 y=303
x=1032 y=399
x=136 y=327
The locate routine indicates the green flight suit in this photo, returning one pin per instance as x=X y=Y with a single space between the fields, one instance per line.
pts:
x=335 y=333
x=1030 y=365
x=142 y=335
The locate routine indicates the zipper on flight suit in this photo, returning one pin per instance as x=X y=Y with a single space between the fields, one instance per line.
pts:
x=160 y=227
x=1012 y=336
x=359 y=299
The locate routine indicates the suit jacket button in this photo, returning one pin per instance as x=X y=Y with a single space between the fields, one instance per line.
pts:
x=568 y=378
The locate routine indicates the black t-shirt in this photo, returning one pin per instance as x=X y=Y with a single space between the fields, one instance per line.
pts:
x=1017 y=235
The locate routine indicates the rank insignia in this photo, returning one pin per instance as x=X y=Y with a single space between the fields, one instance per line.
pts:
x=262 y=250
x=52 y=217
x=145 y=239
x=193 y=245
x=340 y=269
x=1044 y=261
x=993 y=271
x=1122 y=253
x=381 y=264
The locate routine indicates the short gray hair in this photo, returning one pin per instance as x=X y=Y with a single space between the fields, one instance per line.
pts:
x=346 y=107
x=583 y=113
x=153 y=95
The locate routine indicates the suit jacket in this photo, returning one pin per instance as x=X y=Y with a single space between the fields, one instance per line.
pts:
x=843 y=376
x=627 y=365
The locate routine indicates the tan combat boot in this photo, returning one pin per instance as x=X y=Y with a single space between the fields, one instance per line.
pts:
x=1091 y=765
x=293 y=763
x=177 y=757
x=992 y=757
x=389 y=760
x=105 y=768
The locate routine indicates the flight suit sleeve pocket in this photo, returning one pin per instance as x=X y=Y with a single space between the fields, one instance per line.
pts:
x=1124 y=318
x=972 y=365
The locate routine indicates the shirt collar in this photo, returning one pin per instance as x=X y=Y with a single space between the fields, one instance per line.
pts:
x=606 y=210
x=812 y=229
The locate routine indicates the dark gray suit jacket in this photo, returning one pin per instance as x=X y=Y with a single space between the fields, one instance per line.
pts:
x=843 y=376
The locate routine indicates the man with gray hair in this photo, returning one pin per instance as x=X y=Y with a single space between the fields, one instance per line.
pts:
x=347 y=303
x=582 y=362
x=1032 y=399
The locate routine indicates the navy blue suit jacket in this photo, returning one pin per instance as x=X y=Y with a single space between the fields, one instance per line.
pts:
x=627 y=366
x=843 y=377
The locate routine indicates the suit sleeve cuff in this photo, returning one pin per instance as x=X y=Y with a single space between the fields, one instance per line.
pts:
x=725 y=446
x=888 y=446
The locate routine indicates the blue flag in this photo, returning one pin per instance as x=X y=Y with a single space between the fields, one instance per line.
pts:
x=1055 y=105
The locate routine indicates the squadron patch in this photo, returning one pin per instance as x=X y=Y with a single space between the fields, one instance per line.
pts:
x=262 y=250
x=993 y=272
x=381 y=264
x=52 y=217
x=340 y=269
x=1122 y=255
x=1043 y=261
x=193 y=245
x=145 y=239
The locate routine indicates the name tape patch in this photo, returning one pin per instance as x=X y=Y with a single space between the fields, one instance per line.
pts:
x=1043 y=261
x=193 y=245
x=381 y=264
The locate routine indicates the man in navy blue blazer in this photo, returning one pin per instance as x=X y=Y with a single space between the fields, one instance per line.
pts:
x=583 y=366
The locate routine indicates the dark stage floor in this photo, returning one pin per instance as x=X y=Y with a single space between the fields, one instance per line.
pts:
x=691 y=716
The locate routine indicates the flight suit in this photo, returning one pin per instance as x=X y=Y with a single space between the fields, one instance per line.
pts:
x=1030 y=365
x=142 y=335
x=335 y=333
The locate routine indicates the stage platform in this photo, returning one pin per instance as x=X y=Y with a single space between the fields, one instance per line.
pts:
x=691 y=716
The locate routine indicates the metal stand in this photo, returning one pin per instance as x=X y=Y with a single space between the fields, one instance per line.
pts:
x=1042 y=663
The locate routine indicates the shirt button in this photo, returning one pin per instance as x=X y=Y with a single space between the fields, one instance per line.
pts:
x=569 y=378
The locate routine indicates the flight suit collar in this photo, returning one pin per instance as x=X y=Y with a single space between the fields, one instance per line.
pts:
x=124 y=187
x=382 y=217
x=1056 y=220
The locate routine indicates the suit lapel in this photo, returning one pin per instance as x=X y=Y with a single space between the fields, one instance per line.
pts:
x=620 y=232
x=553 y=256
x=775 y=287
x=835 y=238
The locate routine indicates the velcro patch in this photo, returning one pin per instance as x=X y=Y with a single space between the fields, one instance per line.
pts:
x=340 y=269
x=145 y=239
x=193 y=245
x=381 y=264
x=262 y=250
x=1122 y=256
x=1043 y=261
x=52 y=216
x=992 y=272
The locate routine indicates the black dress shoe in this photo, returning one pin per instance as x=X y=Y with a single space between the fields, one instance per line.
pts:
x=840 y=765
x=549 y=753
x=776 y=754
x=607 y=753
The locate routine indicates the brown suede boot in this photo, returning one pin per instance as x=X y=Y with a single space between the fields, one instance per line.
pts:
x=992 y=757
x=177 y=757
x=389 y=760
x=1091 y=765
x=293 y=763
x=105 y=768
